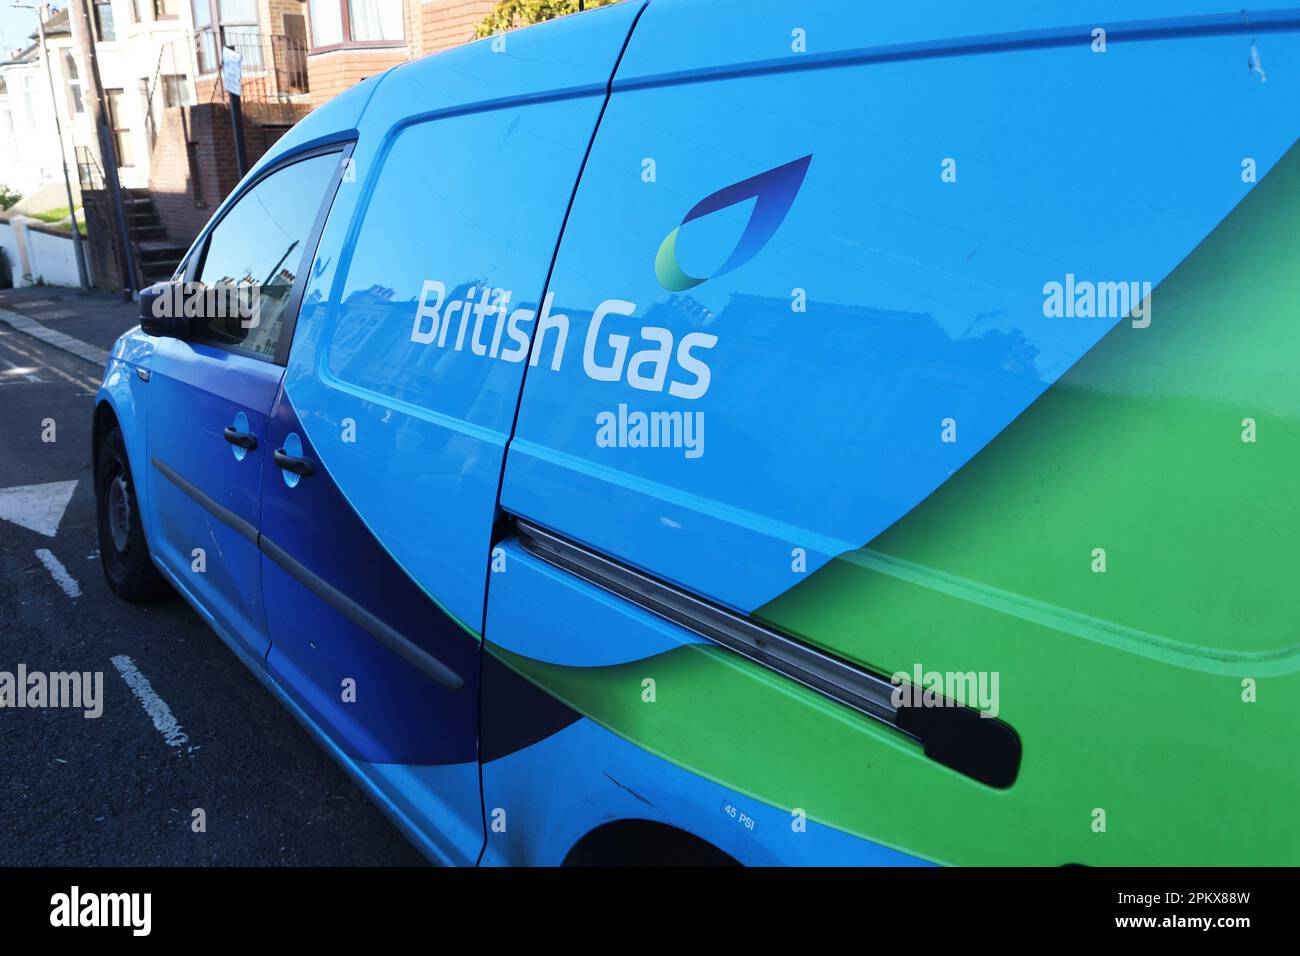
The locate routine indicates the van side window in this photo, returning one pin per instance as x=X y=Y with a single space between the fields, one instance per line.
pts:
x=255 y=252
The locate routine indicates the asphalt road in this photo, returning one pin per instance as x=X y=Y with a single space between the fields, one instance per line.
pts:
x=111 y=790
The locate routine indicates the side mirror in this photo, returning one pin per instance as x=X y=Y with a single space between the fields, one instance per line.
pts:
x=162 y=310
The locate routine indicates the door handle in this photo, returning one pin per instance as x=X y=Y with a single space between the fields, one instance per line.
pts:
x=299 y=466
x=242 y=439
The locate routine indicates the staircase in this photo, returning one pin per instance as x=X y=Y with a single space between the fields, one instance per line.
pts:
x=156 y=255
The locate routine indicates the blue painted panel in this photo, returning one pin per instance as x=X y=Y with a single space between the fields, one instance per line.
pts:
x=418 y=799
x=561 y=788
x=685 y=37
x=888 y=300
x=194 y=392
x=395 y=714
x=468 y=206
x=540 y=612
x=567 y=57
x=127 y=394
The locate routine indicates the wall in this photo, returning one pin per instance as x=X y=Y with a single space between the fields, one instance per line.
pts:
x=448 y=23
x=333 y=72
x=38 y=253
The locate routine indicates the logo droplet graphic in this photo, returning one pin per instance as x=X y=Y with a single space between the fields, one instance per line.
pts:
x=773 y=192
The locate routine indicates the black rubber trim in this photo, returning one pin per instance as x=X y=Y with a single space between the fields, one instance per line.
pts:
x=223 y=514
x=416 y=656
x=400 y=645
x=983 y=748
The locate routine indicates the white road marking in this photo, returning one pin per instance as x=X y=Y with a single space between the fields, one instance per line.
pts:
x=60 y=574
x=91 y=383
x=37 y=508
x=163 y=720
x=19 y=374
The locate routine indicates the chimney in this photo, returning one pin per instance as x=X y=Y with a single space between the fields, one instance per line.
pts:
x=44 y=10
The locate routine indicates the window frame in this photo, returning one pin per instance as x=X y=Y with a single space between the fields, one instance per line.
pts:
x=193 y=262
x=121 y=134
x=98 y=23
x=72 y=83
x=345 y=25
x=213 y=31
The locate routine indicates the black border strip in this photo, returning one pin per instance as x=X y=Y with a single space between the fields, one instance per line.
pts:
x=219 y=511
x=983 y=748
x=396 y=642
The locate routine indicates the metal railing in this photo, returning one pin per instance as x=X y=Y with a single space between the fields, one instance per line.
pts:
x=289 y=54
x=274 y=65
x=173 y=74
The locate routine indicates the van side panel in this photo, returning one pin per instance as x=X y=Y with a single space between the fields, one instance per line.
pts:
x=430 y=272
x=887 y=302
x=454 y=194
x=974 y=305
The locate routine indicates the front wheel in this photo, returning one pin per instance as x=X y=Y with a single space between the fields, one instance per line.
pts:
x=122 y=548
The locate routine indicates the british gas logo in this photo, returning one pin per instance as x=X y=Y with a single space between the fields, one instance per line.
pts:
x=655 y=361
x=616 y=348
x=773 y=193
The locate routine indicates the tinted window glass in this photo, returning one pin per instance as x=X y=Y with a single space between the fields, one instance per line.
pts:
x=258 y=246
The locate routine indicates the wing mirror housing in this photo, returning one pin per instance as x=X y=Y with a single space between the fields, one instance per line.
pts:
x=162 y=310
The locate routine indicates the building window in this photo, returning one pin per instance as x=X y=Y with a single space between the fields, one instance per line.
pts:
x=121 y=135
x=174 y=92
x=231 y=23
x=165 y=9
x=104 y=27
x=76 y=102
x=8 y=139
x=356 y=23
x=29 y=99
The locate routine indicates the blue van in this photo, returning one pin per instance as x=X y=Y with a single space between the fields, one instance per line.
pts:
x=751 y=431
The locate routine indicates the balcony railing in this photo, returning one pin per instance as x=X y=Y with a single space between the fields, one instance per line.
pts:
x=275 y=63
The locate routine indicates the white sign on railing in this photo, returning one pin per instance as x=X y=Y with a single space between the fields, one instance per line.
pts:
x=230 y=70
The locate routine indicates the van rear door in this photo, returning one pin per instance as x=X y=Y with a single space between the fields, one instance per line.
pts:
x=824 y=262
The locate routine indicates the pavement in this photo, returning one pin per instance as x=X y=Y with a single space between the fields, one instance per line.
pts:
x=184 y=725
x=94 y=318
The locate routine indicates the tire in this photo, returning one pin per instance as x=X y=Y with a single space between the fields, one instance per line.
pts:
x=123 y=551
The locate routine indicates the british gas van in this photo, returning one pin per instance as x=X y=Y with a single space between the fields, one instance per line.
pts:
x=764 y=432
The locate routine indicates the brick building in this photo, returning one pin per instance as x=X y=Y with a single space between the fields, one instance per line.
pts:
x=171 y=129
x=346 y=49
x=296 y=55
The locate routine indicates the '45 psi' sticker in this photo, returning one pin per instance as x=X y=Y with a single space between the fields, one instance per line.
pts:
x=740 y=816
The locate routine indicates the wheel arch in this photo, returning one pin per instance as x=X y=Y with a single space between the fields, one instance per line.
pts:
x=105 y=421
x=644 y=842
